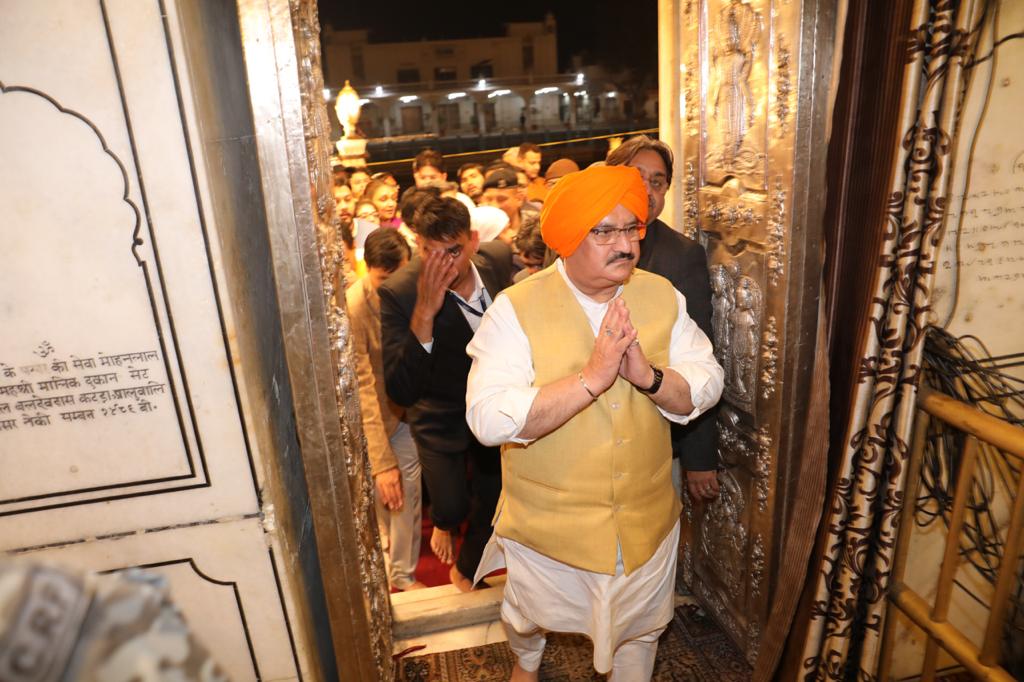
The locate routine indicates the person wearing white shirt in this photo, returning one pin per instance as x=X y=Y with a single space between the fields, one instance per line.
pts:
x=577 y=372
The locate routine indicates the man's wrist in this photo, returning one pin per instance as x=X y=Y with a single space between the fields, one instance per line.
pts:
x=420 y=314
x=422 y=326
x=586 y=386
x=386 y=469
x=651 y=388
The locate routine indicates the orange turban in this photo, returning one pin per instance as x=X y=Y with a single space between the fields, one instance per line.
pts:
x=580 y=200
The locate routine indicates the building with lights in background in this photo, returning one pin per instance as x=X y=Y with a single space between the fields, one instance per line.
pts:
x=474 y=86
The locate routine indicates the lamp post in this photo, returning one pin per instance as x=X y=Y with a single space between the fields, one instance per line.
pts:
x=351 y=146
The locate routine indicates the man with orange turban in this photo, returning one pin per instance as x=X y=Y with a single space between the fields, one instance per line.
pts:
x=577 y=372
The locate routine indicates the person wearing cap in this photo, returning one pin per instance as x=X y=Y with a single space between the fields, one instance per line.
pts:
x=556 y=170
x=490 y=223
x=502 y=190
x=577 y=372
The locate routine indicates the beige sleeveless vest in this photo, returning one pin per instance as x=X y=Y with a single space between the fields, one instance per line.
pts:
x=605 y=476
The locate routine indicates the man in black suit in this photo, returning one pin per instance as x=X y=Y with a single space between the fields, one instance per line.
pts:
x=429 y=312
x=683 y=262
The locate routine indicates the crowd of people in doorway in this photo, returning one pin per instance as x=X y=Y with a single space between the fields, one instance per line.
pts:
x=504 y=199
x=453 y=381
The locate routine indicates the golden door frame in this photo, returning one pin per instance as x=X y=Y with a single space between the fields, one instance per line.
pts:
x=280 y=44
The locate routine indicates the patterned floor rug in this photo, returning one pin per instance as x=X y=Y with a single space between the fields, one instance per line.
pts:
x=692 y=648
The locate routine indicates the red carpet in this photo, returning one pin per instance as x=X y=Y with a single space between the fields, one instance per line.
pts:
x=429 y=570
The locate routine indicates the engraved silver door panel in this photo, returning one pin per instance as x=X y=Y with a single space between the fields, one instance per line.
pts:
x=743 y=76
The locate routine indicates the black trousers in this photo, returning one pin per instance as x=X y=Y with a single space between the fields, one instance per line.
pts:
x=463 y=485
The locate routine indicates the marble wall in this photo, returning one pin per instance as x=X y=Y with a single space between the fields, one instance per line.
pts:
x=124 y=424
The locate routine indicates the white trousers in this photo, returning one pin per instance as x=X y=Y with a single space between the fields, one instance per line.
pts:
x=623 y=615
x=400 y=531
x=633 y=661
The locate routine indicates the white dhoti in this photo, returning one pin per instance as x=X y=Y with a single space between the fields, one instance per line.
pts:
x=622 y=615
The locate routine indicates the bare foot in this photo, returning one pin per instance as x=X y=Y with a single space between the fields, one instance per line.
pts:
x=460 y=581
x=415 y=585
x=443 y=545
x=520 y=675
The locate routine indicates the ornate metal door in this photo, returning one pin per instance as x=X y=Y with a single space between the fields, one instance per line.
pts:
x=743 y=103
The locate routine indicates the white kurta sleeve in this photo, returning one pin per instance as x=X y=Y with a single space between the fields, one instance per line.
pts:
x=692 y=356
x=499 y=390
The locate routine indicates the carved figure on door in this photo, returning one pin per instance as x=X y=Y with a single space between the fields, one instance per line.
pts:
x=744 y=322
x=721 y=307
x=732 y=56
x=723 y=537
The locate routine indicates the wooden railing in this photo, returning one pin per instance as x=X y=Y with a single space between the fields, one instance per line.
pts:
x=981 y=662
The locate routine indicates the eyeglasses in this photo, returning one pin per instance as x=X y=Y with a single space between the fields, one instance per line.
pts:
x=604 y=236
x=367 y=215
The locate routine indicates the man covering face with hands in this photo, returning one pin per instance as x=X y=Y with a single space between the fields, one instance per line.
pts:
x=429 y=310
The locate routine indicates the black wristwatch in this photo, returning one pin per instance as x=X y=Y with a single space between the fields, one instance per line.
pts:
x=656 y=384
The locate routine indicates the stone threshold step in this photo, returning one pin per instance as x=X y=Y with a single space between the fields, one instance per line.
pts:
x=418 y=612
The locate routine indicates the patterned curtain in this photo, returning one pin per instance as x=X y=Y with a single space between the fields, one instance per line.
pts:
x=853 y=576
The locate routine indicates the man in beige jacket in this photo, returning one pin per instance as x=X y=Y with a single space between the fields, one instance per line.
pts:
x=393 y=458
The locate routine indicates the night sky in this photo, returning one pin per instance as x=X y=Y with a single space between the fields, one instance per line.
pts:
x=616 y=34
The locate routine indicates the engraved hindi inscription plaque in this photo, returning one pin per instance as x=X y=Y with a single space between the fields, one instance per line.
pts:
x=91 y=399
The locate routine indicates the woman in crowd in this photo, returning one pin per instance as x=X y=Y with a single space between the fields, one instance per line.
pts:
x=387 y=177
x=385 y=198
x=367 y=211
x=358 y=179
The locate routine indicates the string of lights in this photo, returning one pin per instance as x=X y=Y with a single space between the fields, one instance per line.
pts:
x=576 y=140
